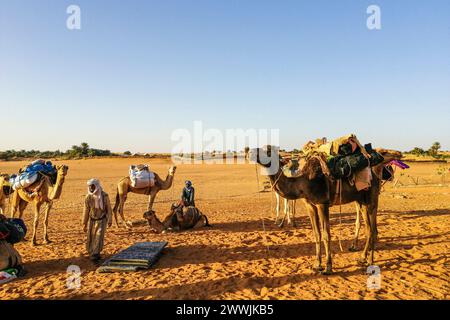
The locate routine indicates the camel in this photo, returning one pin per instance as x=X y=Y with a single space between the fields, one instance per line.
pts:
x=5 y=191
x=192 y=218
x=43 y=192
x=289 y=208
x=124 y=186
x=388 y=156
x=319 y=193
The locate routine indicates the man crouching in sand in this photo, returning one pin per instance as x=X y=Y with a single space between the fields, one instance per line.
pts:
x=96 y=215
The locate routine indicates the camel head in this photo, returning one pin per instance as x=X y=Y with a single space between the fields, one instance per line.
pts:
x=153 y=221
x=4 y=177
x=172 y=170
x=389 y=154
x=265 y=156
x=5 y=185
x=62 y=170
x=175 y=207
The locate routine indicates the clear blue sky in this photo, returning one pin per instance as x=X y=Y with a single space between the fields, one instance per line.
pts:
x=137 y=70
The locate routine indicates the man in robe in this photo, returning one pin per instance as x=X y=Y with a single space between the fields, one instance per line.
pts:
x=96 y=217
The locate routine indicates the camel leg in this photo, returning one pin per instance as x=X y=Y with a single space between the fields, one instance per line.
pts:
x=372 y=210
x=293 y=203
x=22 y=205
x=48 y=207
x=324 y=216
x=37 y=209
x=357 y=228
x=288 y=210
x=312 y=212
x=278 y=207
x=151 y=200
x=122 y=200
x=286 y=213
x=15 y=202
x=367 y=225
x=200 y=223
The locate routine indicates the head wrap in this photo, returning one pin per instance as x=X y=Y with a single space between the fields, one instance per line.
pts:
x=96 y=194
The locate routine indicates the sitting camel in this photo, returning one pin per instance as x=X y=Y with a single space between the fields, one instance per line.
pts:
x=124 y=186
x=320 y=192
x=43 y=192
x=180 y=218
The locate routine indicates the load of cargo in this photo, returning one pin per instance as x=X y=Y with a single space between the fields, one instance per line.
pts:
x=32 y=173
x=346 y=158
x=141 y=176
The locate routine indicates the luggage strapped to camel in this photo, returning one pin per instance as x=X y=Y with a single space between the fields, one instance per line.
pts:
x=32 y=173
x=141 y=176
x=345 y=158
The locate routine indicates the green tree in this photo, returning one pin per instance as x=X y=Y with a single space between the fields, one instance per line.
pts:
x=433 y=151
x=418 y=151
x=84 y=148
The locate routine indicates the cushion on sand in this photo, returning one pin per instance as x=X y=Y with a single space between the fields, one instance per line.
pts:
x=141 y=255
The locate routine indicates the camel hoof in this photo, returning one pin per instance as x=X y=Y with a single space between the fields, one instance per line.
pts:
x=362 y=262
x=317 y=269
x=33 y=243
x=327 y=272
x=353 y=249
x=47 y=241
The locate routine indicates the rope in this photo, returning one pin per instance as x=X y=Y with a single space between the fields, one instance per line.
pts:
x=339 y=183
x=262 y=218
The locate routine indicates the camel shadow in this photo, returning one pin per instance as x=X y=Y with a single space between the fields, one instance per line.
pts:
x=257 y=225
x=413 y=214
x=212 y=289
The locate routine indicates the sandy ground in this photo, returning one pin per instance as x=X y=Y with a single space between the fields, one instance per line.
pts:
x=237 y=259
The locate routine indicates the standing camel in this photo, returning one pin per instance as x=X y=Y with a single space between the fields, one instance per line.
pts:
x=320 y=192
x=43 y=192
x=124 y=186
x=388 y=156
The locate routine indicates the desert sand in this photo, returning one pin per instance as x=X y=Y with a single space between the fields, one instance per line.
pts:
x=244 y=255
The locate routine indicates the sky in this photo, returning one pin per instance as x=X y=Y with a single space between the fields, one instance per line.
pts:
x=137 y=71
